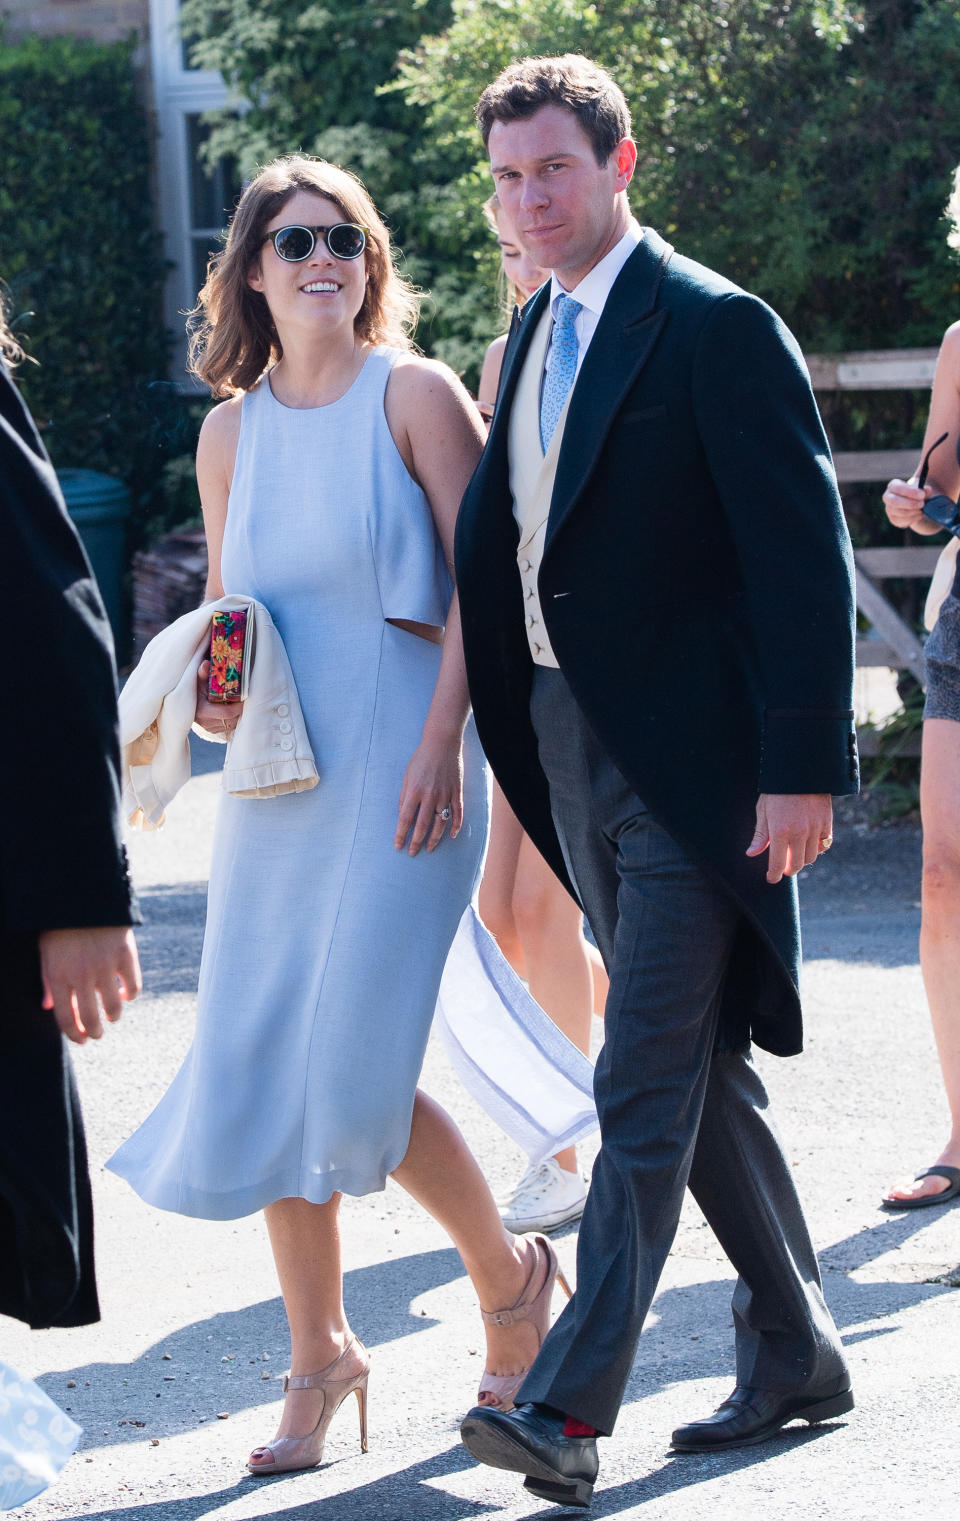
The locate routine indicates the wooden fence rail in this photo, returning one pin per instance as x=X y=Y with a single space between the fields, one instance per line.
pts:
x=893 y=642
x=881 y=370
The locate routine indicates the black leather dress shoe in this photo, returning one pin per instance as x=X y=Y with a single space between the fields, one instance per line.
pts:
x=529 y=1439
x=753 y=1415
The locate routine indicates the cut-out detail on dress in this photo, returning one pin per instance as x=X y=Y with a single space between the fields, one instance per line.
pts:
x=428 y=631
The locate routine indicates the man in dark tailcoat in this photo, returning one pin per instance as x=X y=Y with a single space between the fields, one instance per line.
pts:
x=656 y=590
x=68 y=958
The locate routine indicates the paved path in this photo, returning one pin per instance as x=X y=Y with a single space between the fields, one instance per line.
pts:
x=179 y=1380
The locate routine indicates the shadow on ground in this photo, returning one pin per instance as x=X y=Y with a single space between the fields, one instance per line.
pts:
x=216 y=1365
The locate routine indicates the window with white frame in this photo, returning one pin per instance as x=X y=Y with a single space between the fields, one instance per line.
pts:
x=194 y=205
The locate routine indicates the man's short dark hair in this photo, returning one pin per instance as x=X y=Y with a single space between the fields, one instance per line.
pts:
x=583 y=87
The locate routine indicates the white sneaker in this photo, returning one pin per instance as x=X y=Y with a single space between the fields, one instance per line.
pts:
x=546 y=1197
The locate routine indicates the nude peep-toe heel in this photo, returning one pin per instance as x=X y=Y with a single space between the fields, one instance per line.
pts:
x=287 y=1454
x=532 y=1307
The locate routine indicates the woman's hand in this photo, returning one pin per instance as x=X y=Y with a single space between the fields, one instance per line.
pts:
x=219 y=718
x=904 y=501
x=431 y=798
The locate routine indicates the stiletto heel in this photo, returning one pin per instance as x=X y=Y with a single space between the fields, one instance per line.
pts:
x=287 y=1454
x=532 y=1307
x=361 y=1393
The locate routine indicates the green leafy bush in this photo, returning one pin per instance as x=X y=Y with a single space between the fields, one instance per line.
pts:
x=79 y=252
x=315 y=79
x=802 y=147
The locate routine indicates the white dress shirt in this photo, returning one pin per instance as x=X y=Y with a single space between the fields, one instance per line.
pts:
x=593 y=290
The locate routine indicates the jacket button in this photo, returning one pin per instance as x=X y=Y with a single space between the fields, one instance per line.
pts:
x=286 y=744
x=282 y=709
x=286 y=728
x=526 y=565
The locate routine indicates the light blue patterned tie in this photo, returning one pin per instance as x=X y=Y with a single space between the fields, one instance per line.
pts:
x=563 y=366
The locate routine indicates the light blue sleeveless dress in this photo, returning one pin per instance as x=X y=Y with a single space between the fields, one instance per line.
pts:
x=324 y=946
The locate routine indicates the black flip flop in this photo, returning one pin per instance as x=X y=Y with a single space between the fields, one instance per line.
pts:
x=951 y=1192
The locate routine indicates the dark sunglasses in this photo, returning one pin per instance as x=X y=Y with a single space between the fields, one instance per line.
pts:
x=345 y=240
x=940 y=509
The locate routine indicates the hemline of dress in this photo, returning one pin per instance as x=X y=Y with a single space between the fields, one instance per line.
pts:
x=198 y=1204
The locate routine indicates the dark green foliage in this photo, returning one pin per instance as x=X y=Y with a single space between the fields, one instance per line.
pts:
x=311 y=77
x=79 y=253
x=803 y=147
x=892 y=776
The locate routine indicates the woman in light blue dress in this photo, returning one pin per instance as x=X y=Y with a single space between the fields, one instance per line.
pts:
x=330 y=482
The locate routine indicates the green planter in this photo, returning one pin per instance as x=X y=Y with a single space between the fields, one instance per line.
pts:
x=99 y=507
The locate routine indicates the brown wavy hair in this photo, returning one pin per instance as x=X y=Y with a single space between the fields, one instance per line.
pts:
x=573 y=81
x=233 y=338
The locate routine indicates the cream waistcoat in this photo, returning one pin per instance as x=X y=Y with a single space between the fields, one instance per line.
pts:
x=532 y=475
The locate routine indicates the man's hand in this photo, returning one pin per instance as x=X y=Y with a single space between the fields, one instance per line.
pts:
x=86 y=971
x=796 y=826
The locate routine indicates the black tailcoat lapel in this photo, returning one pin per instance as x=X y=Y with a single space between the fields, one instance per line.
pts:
x=629 y=327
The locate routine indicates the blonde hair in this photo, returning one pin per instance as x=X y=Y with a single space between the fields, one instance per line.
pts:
x=953 y=212
x=507 y=292
x=10 y=350
x=233 y=337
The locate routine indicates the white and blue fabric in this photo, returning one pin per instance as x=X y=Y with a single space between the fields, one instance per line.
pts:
x=507 y=1052
x=36 y=1439
x=562 y=367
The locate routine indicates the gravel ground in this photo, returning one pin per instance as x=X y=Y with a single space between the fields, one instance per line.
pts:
x=179 y=1380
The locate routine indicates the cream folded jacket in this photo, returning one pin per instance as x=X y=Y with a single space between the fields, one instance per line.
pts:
x=268 y=753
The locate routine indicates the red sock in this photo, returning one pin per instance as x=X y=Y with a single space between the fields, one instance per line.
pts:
x=576 y=1428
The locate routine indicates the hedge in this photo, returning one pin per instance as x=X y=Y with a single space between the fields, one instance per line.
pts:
x=80 y=255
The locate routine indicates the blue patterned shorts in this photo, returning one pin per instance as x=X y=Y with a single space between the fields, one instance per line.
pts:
x=942 y=661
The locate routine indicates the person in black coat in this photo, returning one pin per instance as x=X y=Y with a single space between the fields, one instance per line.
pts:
x=658 y=622
x=68 y=957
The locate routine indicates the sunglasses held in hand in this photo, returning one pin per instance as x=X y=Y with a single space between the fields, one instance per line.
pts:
x=345 y=240
x=940 y=509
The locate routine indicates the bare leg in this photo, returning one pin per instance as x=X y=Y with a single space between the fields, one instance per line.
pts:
x=601 y=982
x=495 y=899
x=940 y=923
x=441 y=1174
x=306 y=1249
x=550 y=925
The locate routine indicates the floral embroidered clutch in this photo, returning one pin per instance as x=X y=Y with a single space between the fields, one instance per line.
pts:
x=230 y=655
